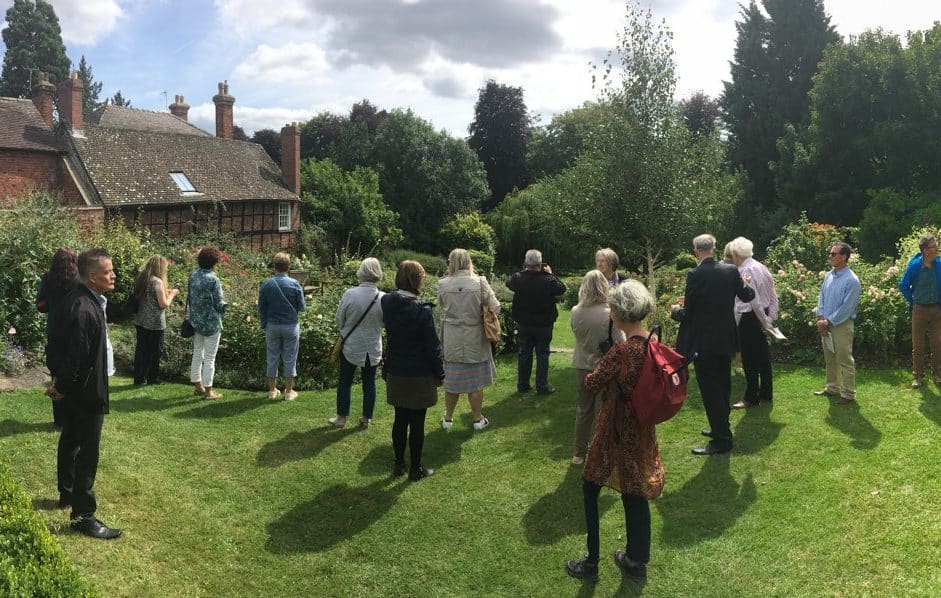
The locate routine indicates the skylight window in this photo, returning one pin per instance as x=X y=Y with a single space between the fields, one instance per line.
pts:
x=182 y=182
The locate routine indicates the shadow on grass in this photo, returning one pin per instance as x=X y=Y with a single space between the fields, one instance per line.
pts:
x=930 y=405
x=755 y=431
x=848 y=420
x=45 y=504
x=336 y=514
x=223 y=408
x=297 y=446
x=12 y=427
x=441 y=449
x=137 y=402
x=560 y=513
x=706 y=505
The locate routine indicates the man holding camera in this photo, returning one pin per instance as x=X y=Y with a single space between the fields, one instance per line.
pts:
x=535 y=290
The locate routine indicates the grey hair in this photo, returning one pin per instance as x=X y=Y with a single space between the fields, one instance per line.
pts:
x=925 y=240
x=594 y=288
x=741 y=247
x=704 y=243
x=460 y=259
x=533 y=258
x=630 y=301
x=370 y=270
x=608 y=255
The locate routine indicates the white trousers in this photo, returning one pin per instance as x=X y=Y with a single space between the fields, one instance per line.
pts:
x=203 y=367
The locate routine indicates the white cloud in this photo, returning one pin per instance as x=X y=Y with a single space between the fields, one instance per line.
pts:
x=249 y=118
x=254 y=19
x=292 y=62
x=86 y=22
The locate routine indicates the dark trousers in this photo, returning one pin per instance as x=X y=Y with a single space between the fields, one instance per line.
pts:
x=77 y=461
x=147 y=355
x=756 y=359
x=345 y=388
x=636 y=518
x=714 y=377
x=530 y=338
x=409 y=425
x=58 y=413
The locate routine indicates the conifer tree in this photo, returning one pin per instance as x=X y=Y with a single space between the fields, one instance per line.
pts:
x=33 y=41
x=91 y=89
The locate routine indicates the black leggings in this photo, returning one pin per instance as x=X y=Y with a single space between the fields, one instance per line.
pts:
x=405 y=419
x=637 y=520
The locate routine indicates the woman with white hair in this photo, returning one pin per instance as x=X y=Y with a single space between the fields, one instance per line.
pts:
x=608 y=262
x=359 y=320
x=593 y=328
x=468 y=357
x=623 y=454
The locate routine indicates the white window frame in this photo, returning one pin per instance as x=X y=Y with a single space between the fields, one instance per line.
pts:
x=284 y=216
x=183 y=183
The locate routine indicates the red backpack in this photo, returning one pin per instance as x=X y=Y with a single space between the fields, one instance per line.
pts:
x=661 y=388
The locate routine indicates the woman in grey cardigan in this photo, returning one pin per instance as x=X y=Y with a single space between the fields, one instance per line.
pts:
x=359 y=320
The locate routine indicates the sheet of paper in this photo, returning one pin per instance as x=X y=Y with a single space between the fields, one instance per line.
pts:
x=828 y=342
x=777 y=334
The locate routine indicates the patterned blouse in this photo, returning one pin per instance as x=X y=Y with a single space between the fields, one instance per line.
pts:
x=149 y=313
x=206 y=302
x=623 y=454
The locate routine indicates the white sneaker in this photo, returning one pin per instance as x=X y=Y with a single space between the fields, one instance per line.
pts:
x=337 y=422
x=483 y=423
x=290 y=396
x=445 y=424
x=274 y=394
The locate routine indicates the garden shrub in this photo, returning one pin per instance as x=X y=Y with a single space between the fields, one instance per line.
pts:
x=30 y=233
x=468 y=231
x=806 y=242
x=12 y=357
x=31 y=561
x=433 y=264
x=483 y=262
x=128 y=253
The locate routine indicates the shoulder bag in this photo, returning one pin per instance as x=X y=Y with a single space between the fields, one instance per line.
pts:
x=490 y=320
x=338 y=346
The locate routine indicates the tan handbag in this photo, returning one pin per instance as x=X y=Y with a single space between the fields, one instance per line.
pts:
x=336 y=351
x=490 y=319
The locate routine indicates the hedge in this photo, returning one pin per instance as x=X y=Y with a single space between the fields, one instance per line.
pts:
x=31 y=561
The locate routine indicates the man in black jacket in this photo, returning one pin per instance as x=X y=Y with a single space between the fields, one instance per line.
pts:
x=79 y=365
x=535 y=290
x=709 y=336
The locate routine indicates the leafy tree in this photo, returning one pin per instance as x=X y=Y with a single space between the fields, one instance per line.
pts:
x=366 y=112
x=320 y=135
x=347 y=207
x=776 y=57
x=34 y=43
x=426 y=176
x=469 y=231
x=91 y=89
x=271 y=141
x=119 y=100
x=554 y=147
x=890 y=216
x=700 y=113
x=238 y=133
x=499 y=135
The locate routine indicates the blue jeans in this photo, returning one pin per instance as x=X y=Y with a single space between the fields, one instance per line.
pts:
x=530 y=338
x=636 y=519
x=344 y=387
x=281 y=342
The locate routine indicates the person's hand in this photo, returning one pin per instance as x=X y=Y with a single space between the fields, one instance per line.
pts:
x=768 y=332
x=174 y=292
x=822 y=327
x=439 y=382
x=681 y=301
x=547 y=268
x=54 y=394
x=746 y=277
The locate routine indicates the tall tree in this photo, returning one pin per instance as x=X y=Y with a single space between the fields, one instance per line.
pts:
x=119 y=100
x=554 y=147
x=238 y=133
x=34 y=43
x=271 y=141
x=90 y=88
x=499 y=135
x=320 y=135
x=700 y=113
x=776 y=57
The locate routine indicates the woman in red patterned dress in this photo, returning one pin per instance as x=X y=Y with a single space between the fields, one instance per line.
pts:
x=623 y=454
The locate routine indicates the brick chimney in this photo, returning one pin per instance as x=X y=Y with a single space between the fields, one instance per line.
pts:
x=291 y=157
x=179 y=108
x=44 y=94
x=70 y=102
x=224 y=104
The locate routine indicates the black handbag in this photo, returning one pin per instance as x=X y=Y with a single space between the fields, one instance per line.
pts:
x=605 y=345
x=186 y=328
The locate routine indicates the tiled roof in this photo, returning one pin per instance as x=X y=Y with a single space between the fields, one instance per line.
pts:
x=21 y=127
x=132 y=167
x=120 y=117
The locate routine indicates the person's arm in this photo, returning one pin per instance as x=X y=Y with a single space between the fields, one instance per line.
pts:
x=42 y=302
x=761 y=285
x=906 y=285
x=340 y=318
x=850 y=302
x=73 y=366
x=680 y=312
x=514 y=282
x=218 y=299
x=301 y=304
x=558 y=287
x=431 y=343
x=492 y=302
x=604 y=372
x=742 y=290
x=164 y=296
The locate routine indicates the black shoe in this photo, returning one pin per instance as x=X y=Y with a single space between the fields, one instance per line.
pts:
x=420 y=474
x=398 y=469
x=155 y=381
x=545 y=391
x=636 y=571
x=139 y=382
x=713 y=448
x=65 y=501
x=90 y=526
x=582 y=569
x=706 y=432
x=523 y=389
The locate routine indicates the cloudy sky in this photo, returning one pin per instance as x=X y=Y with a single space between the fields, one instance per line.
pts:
x=288 y=60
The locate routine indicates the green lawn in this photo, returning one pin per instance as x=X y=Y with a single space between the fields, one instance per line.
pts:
x=243 y=497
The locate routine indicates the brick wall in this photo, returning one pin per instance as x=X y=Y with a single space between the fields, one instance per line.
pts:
x=22 y=171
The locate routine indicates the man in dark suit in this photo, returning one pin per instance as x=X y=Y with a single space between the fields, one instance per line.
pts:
x=79 y=362
x=709 y=336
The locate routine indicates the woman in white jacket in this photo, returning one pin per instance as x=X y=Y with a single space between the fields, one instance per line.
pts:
x=468 y=357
